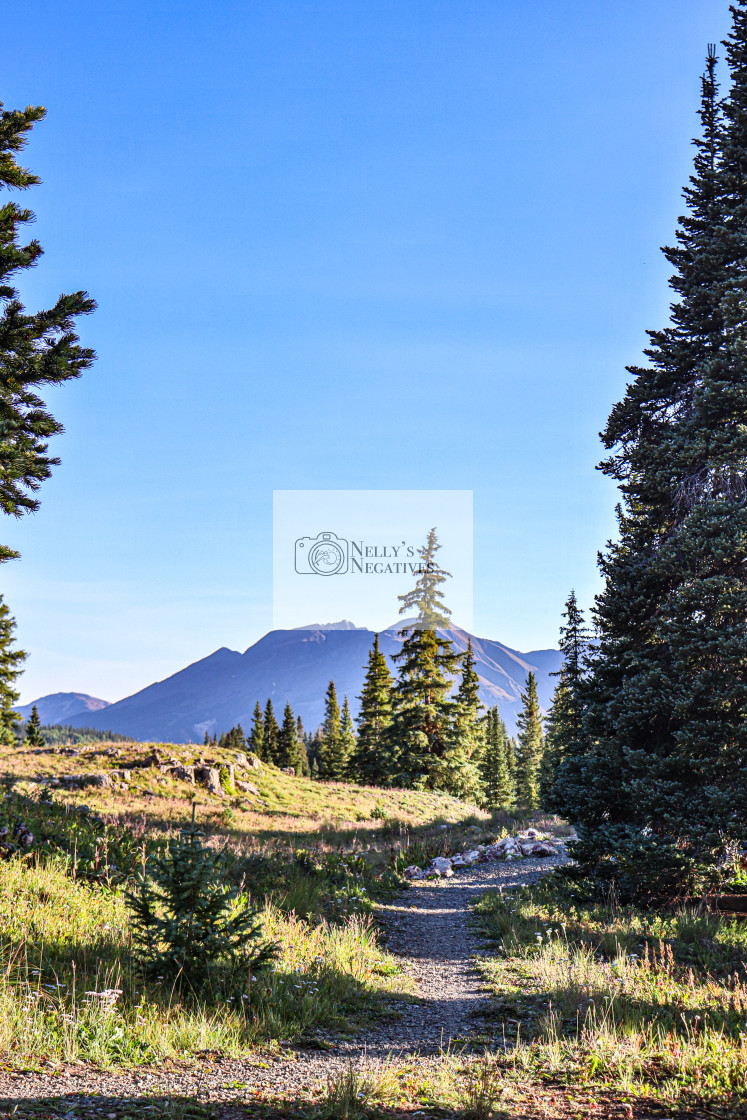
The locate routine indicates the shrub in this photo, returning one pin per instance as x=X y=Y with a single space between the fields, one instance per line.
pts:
x=189 y=927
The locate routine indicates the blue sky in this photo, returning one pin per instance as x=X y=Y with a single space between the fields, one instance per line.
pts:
x=336 y=245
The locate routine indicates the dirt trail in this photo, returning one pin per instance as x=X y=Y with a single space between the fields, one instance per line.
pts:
x=428 y=928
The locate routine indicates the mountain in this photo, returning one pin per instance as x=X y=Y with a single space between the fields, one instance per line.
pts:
x=221 y=690
x=62 y=707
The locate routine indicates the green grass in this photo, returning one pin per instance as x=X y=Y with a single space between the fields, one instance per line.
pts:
x=618 y=999
x=64 y=943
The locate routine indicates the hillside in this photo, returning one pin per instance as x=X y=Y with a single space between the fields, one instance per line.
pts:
x=220 y=690
x=145 y=782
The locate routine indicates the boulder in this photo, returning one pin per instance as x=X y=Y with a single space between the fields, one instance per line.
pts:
x=181 y=773
x=253 y=763
x=247 y=787
x=440 y=864
x=209 y=777
x=83 y=781
x=289 y=770
x=413 y=872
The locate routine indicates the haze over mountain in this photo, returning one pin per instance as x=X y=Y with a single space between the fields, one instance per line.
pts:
x=220 y=690
x=59 y=706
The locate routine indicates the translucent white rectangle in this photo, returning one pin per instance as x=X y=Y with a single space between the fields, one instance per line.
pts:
x=346 y=555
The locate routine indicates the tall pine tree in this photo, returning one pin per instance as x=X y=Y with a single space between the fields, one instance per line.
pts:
x=36 y=350
x=330 y=759
x=348 y=741
x=564 y=734
x=11 y=667
x=270 y=734
x=498 y=787
x=289 y=746
x=257 y=734
x=458 y=771
x=662 y=792
x=529 y=723
x=371 y=764
x=423 y=713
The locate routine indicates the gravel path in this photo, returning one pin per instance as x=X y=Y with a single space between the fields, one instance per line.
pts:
x=428 y=928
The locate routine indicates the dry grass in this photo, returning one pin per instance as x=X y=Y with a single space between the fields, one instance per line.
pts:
x=641 y=1004
x=288 y=810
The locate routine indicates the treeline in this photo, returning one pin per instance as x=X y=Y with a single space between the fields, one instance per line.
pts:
x=477 y=757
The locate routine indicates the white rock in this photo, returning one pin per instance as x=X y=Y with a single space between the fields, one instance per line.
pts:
x=413 y=872
x=440 y=864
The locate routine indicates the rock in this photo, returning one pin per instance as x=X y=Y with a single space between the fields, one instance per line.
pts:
x=543 y=848
x=447 y=874
x=413 y=872
x=180 y=773
x=247 y=787
x=83 y=781
x=440 y=864
x=209 y=777
x=289 y=770
x=122 y=775
x=241 y=760
x=253 y=763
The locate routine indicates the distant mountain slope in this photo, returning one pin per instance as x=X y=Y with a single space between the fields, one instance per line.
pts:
x=60 y=707
x=221 y=690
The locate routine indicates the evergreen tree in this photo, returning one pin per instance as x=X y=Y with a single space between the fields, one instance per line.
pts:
x=370 y=761
x=426 y=596
x=564 y=739
x=289 y=748
x=11 y=662
x=303 y=748
x=257 y=733
x=34 y=736
x=498 y=786
x=330 y=759
x=271 y=734
x=661 y=794
x=348 y=740
x=420 y=732
x=36 y=350
x=189 y=927
x=458 y=770
x=313 y=753
x=529 y=723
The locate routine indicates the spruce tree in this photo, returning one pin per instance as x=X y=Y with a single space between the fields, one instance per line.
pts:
x=662 y=792
x=303 y=748
x=330 y=761
x=458 y=771
x=257 y=734
x=348 y=740
x=370 y=762
x=498 y=788
x=426 y=597
x=34 y=736
x=564 y=737
x=36 y=350
x=529 y=722
x=289 y=748
x=11 y=667
x=420 y=732
x=271 y=734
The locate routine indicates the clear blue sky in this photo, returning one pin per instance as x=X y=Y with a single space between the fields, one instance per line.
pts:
x=335 y=245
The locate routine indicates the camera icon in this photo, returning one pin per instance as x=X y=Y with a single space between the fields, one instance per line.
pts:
x=323 y=555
